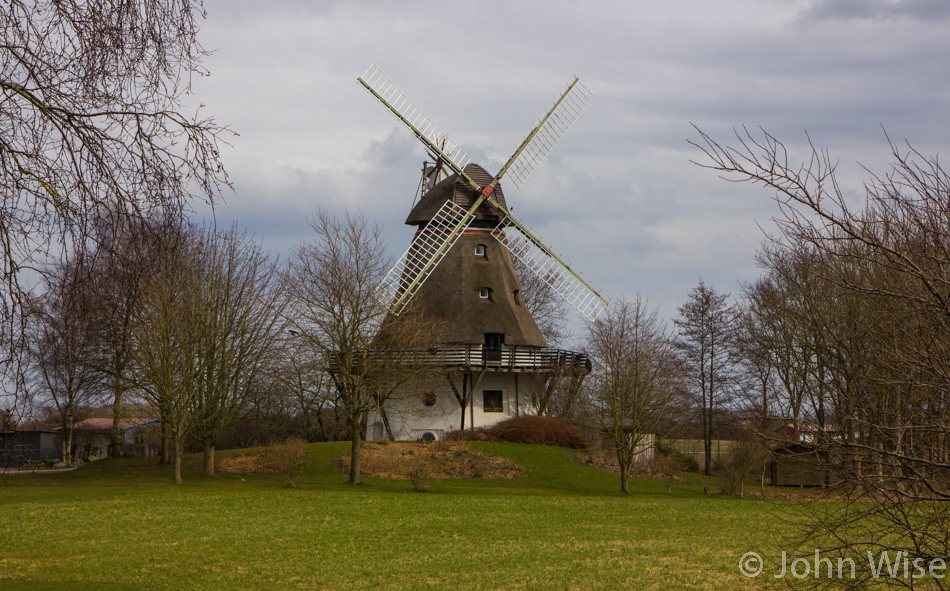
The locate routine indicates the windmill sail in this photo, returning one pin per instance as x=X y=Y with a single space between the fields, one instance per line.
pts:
x=549 y=131
x=386 y=92
x=424 y=254
x=526 y=247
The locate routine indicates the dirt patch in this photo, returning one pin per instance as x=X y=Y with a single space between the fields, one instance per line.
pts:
x=440 y=459
x=267 y=461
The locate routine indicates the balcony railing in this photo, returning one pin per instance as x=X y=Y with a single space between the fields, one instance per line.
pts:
x=522 y=359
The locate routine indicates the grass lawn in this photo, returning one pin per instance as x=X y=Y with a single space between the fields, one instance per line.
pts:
x=118 y=525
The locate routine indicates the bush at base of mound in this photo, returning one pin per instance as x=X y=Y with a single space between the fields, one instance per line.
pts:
x=527 y=429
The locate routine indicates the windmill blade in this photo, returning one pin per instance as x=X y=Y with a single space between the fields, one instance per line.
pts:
x=524 y=245
x=547 y=133
x=424 y=254
x=437 y=141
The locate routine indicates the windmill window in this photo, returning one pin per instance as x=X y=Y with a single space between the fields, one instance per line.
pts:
x=480 y=251
x=484 y=294
x=493 y=401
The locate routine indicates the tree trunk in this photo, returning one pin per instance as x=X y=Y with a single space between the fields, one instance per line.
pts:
x=115 y=445
x=67 y=445
x=624 y=459
x=176 y=476
x=208 y=469
x=707 y=445
x=165 y=455
x=388 y=428
x=355 y=441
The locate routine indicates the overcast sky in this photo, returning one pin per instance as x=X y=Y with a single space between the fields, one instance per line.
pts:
x=619 y=196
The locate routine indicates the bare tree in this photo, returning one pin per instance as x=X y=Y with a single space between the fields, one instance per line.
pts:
x=63 y=345
x=165 y=347
x=241 y=328
x=547 y=308
x=634 y=380
x=760 y=390
x=889 y=353
x=335 y=310
x=90 y=117
x=122 y=258
x=556 y=393
x=310 y=390
x=707 y=339
x=7 y=421
x=206 y=331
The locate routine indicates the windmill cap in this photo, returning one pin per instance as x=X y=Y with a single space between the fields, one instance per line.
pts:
x=458 y=191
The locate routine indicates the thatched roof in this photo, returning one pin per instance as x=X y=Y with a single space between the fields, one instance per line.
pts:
x=459 y=192
x=452 y=295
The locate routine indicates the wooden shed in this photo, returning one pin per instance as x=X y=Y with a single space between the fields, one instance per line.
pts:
x=799 y=464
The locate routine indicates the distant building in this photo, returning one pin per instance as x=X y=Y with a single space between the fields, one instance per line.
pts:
x=91 y=438
x=24 y=447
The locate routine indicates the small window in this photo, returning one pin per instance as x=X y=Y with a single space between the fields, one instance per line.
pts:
x=485 y=294
x=493 y=401
x=429 y=399
x=480 y=251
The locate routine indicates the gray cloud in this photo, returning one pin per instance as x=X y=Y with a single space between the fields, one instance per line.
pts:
x=923 y=10
x=619 y=197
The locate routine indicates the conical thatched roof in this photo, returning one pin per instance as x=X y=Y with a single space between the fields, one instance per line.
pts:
x=453 y=294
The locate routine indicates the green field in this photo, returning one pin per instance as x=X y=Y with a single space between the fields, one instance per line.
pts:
x=119 y=525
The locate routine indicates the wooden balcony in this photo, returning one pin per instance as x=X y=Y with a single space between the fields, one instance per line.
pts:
x=504 y=359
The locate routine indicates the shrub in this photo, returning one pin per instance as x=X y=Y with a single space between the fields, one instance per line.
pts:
x=479 y=434
x=679 y=460
x=420 y=473
x=666 y=465
x=538 y=430
x=290 y=456
x=745 y=456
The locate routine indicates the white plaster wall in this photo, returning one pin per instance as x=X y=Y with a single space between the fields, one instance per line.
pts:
x=409 y=417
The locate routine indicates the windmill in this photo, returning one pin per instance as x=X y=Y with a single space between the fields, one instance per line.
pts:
x=418 y=262
x=453 y=260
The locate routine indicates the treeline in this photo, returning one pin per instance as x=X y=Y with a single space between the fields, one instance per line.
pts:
x=178 y=321
x=847 y=332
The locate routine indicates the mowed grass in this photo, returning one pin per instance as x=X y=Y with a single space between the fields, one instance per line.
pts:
x=119 y=525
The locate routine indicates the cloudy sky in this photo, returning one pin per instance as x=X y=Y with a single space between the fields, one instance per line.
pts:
x=619 y=196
